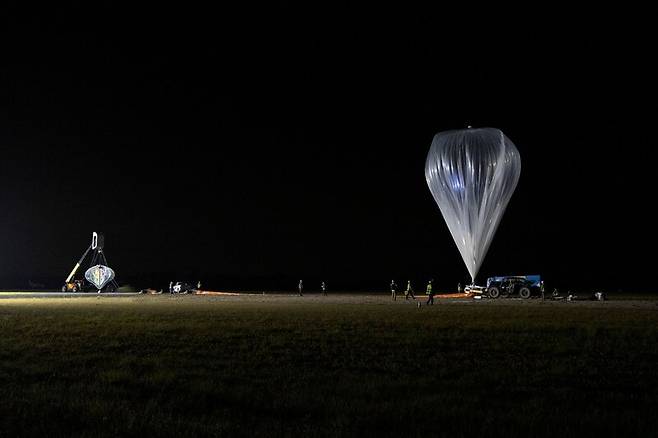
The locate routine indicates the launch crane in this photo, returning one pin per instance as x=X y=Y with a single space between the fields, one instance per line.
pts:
x=98 y=275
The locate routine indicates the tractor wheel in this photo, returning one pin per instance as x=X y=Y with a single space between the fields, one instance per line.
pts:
x=494 y=292
x=524 y=293
x=64 y=288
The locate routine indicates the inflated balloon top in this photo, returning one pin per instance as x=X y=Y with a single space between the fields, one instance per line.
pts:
x=472 y=174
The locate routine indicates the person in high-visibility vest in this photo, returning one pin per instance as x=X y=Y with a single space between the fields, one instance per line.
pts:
x=394 y=290
x=430 y=293
x=301 y=288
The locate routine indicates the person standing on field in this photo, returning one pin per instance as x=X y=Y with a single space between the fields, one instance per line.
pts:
x=430 y=294
x=394 y=290
x=301 y=288
x=324 y=288
x=409 y=292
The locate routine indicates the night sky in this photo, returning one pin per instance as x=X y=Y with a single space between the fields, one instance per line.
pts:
x=250 y=148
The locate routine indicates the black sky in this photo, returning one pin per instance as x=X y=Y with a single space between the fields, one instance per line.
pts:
x=252 y=147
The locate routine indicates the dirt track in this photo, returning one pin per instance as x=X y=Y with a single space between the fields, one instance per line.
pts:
x=340 y=298
x=385 y=299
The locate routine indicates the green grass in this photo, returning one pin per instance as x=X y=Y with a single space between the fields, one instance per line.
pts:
x=198 y=366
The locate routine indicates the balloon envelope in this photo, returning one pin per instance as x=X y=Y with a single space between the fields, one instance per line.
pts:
x=472 y=174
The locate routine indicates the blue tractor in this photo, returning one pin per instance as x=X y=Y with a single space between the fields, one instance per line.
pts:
x=523 y=286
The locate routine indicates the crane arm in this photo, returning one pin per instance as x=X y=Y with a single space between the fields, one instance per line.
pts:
x=77 y=265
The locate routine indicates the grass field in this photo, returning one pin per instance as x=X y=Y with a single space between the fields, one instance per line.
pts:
x=326 y=366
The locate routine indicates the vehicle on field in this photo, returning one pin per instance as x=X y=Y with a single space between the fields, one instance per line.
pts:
x=73 y=286
x=523 y=286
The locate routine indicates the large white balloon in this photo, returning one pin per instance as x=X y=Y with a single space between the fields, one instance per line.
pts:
x=472 y=174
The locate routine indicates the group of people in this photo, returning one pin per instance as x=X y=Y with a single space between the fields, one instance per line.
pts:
x=409 y=292
x=300 y=288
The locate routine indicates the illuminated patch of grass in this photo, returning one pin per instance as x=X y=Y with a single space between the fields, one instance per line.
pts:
x=190 y=366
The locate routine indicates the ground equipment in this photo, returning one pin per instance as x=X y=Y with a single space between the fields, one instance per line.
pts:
x=522 y=285
x=99 y=276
